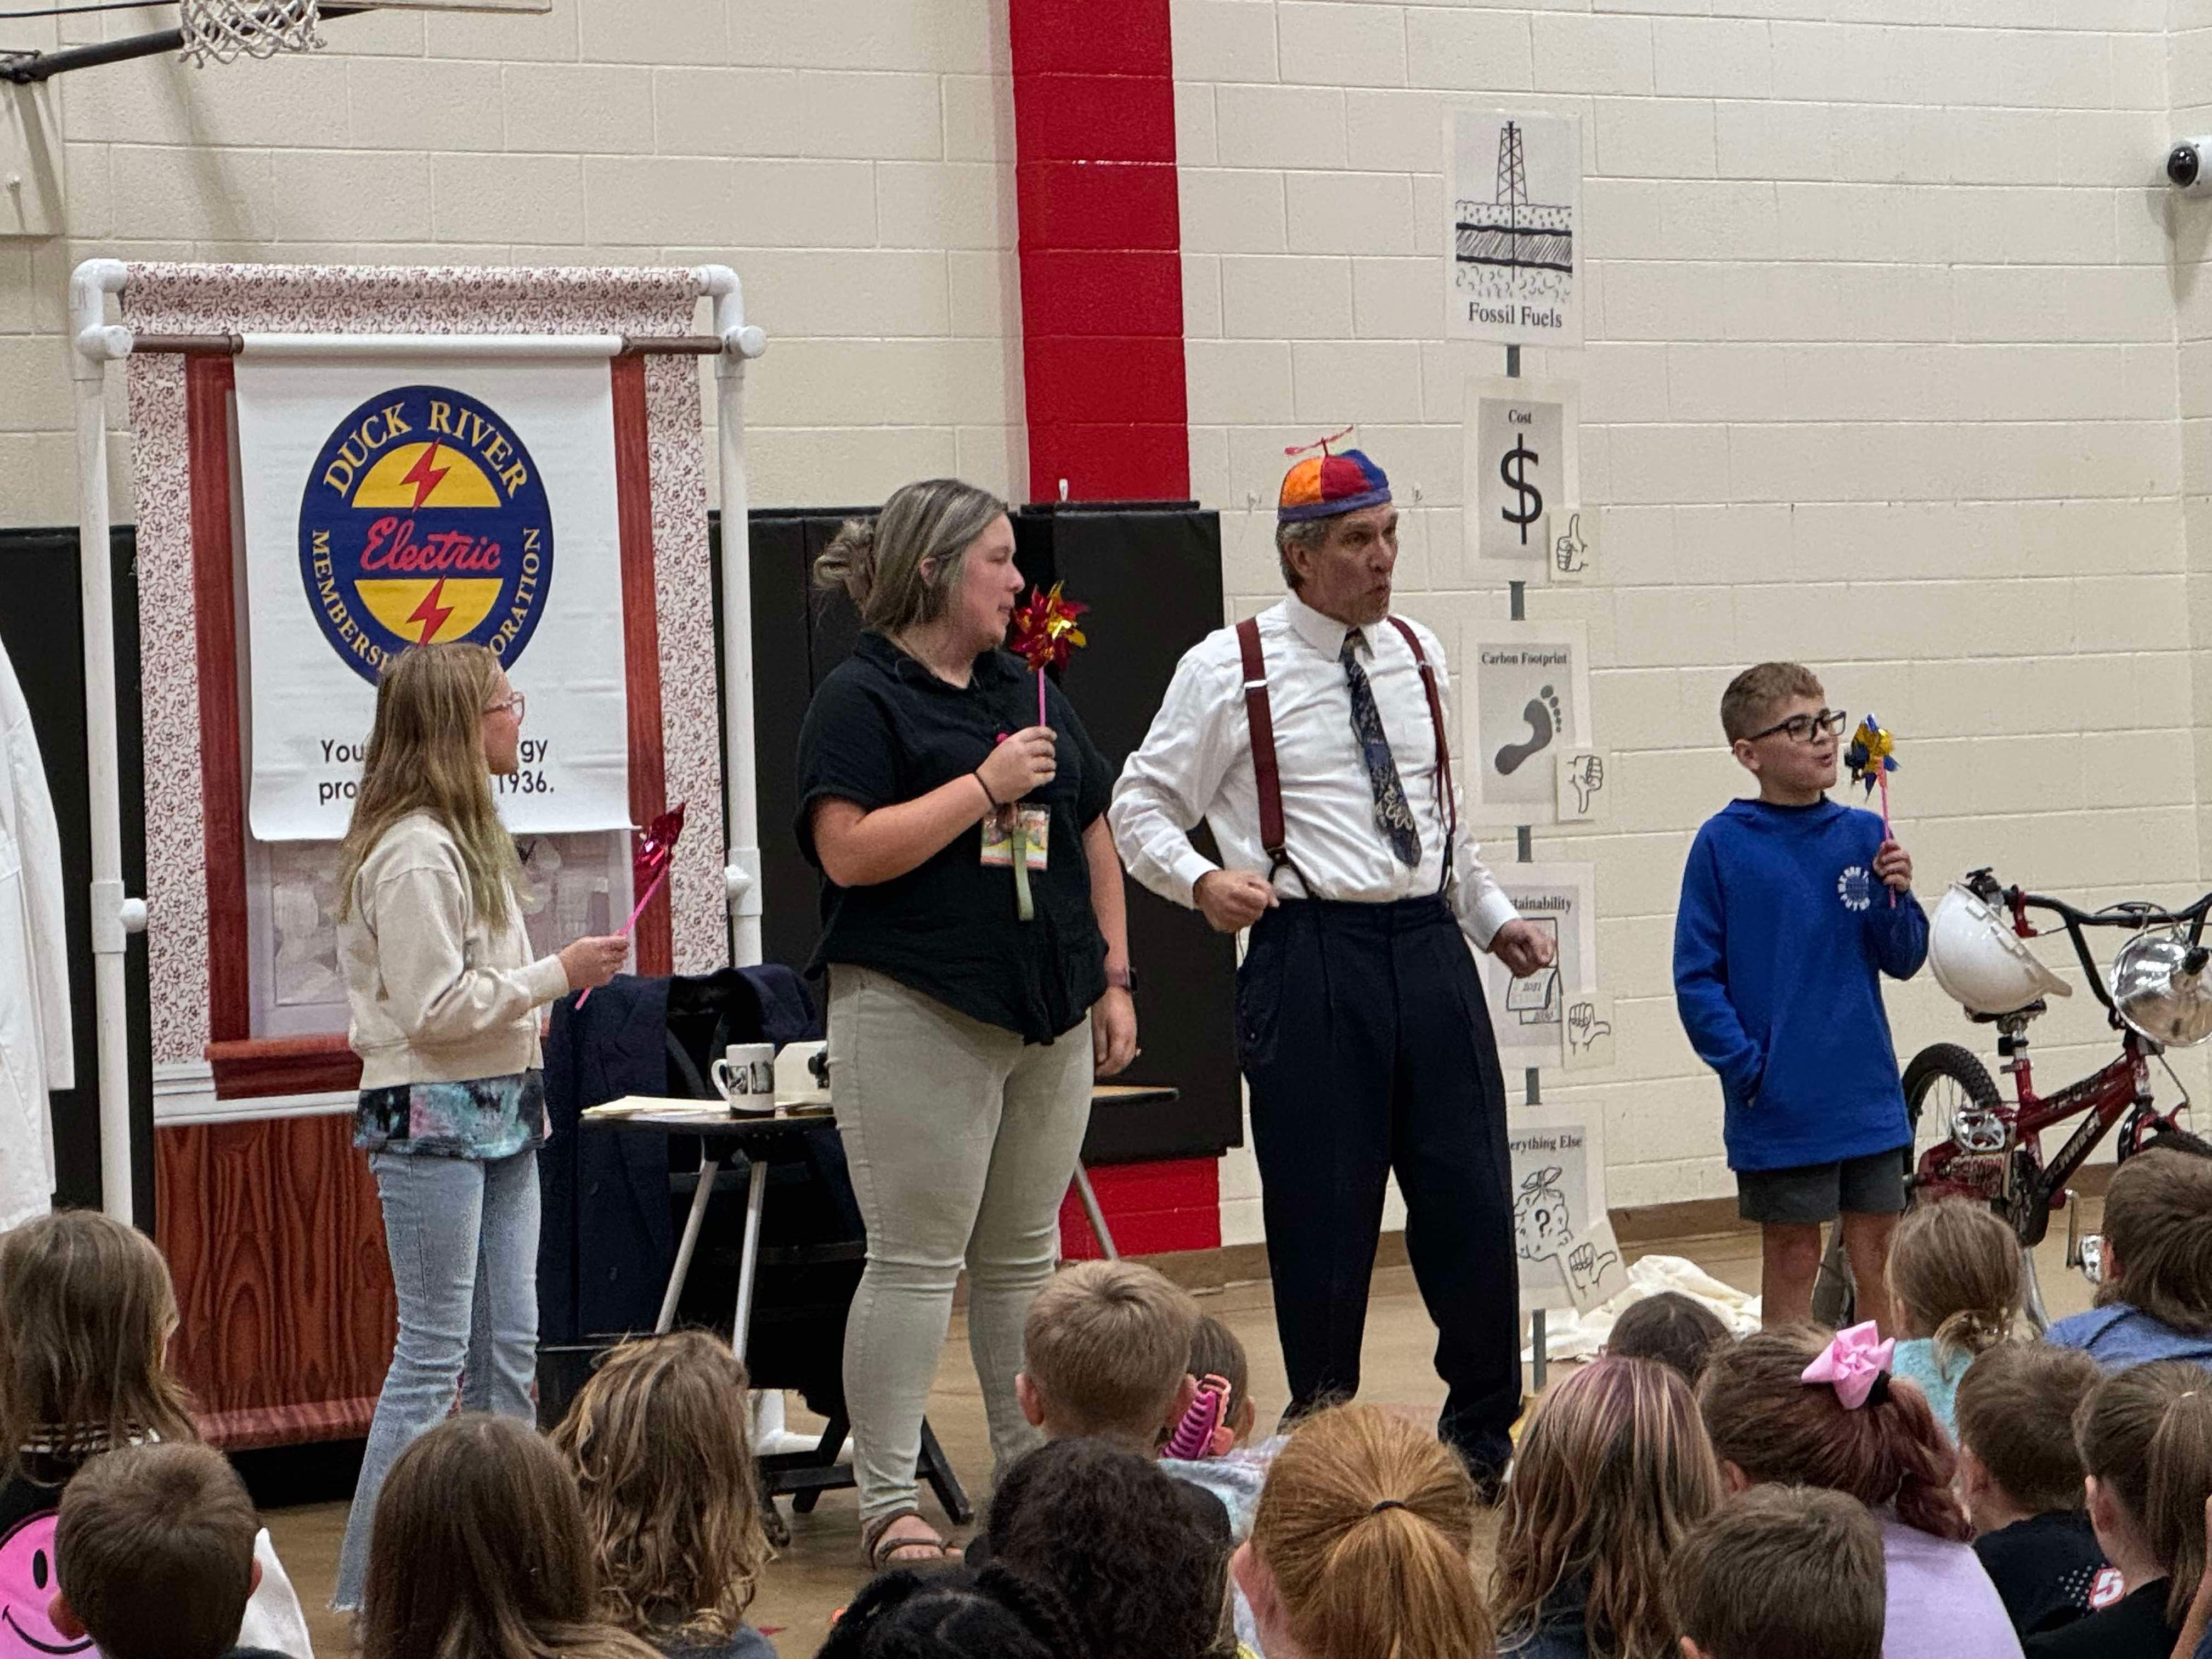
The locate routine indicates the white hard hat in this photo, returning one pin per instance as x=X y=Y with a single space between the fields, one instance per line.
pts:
x=1979 y=960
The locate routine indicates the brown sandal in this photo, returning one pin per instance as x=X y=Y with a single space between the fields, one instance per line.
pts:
x=881 y=1548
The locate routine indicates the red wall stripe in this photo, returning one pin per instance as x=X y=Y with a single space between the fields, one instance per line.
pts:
x=648 y=781
x=1175 y=1205
x=1101 y=250
x=1101 y=246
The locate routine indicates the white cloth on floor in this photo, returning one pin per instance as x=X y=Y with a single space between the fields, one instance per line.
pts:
x=274 y=1621
x=37 y=1051
x=1579 y=1336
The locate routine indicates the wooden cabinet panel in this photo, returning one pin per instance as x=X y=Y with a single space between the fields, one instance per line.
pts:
x=275 y=1240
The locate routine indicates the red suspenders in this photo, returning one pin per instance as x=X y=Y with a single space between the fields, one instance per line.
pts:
x=1256 y=714
x=1447 y=803
x=1268 y=777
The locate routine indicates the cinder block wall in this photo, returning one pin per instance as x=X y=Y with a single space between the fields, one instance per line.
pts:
x=1895 y=352
x=1881 y=374
x=853 y=159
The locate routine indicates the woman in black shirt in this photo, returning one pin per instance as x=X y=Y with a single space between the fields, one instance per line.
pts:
x=963 y=1040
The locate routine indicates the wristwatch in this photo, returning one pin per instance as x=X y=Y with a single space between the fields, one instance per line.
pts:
x=1122 y=979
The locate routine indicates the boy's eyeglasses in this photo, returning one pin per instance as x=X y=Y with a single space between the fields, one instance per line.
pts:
x=1802 y=728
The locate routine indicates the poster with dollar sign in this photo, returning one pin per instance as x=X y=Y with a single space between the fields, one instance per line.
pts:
x=1524 y=457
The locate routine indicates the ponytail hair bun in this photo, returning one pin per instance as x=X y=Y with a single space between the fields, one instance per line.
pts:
x=900 y=566
x=849 y=562
x=1366 y=1523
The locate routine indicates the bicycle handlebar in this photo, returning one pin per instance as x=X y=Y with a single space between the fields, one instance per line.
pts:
x=2133 y=914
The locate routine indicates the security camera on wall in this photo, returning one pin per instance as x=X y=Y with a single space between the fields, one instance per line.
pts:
x=2188 y=165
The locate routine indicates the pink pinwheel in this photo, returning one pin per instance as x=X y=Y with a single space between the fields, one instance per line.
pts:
x=1851 y=1364
x=648 y=865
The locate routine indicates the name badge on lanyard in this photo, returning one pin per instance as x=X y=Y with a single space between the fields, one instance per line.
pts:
x=1036 y=836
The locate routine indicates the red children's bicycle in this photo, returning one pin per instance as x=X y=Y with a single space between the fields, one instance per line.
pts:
x=1970 y=1142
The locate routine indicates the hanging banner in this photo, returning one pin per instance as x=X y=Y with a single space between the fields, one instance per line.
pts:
x=1514 y=210
x=397 y=502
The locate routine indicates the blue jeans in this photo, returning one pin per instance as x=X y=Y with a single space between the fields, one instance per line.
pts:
x=462 y=1236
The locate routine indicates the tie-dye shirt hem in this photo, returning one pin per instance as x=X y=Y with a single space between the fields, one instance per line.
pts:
x=487 y=1117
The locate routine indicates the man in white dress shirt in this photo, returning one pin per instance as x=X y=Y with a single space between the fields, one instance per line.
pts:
x=1311 y=740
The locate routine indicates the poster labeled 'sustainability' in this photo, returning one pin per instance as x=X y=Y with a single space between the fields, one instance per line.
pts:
x=1512 y=239
x=1528 y=1016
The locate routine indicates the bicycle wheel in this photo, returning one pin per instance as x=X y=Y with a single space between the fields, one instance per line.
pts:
x=1942 y=1081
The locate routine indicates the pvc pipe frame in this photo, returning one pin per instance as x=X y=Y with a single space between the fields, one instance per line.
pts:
x=98 y=342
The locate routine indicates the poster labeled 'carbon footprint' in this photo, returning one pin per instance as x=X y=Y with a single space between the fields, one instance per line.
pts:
x=1529 y=693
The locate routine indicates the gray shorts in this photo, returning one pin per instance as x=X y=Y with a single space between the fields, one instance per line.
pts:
x=1872 y=1184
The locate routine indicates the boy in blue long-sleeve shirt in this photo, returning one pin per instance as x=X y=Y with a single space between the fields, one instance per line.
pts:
x=1786 y=927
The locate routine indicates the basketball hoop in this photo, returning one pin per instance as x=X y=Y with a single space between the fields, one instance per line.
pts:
x=225 y=30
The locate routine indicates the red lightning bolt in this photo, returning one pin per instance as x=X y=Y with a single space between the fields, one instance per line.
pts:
x=430 y=613
x=423 y=475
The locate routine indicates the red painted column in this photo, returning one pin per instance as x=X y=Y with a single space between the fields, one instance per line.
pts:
x=1101 y=246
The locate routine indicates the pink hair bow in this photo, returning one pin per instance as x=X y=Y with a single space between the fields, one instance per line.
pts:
x=1852 y=1363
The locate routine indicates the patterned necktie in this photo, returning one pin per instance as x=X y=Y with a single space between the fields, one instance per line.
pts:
x=1393 y=817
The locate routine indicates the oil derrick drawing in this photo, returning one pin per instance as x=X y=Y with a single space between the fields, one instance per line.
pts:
x=1511 y=234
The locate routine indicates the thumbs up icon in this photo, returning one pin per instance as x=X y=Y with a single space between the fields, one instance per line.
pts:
x=1567 y=550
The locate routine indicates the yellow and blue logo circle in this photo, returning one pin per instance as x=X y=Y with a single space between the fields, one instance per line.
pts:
x=425 y=519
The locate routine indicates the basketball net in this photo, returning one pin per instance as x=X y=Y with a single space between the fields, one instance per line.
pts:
x=225 y=30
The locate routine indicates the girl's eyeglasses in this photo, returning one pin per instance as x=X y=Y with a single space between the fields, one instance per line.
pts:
x=514 y=705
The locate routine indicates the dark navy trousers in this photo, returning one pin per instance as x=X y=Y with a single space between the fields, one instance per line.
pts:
x=1362 y=1031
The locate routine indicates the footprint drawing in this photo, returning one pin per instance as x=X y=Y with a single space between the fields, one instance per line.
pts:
x=1543 y=715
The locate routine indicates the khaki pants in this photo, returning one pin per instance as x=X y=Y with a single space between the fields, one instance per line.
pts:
x=961 y=1140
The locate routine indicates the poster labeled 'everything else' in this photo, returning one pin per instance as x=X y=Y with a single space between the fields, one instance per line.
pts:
x=397 y=502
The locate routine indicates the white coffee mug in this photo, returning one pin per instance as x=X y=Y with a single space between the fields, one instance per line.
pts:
x=745 y=1075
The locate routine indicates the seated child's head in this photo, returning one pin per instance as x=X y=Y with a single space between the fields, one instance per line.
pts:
x=1109 y=1532
x=153 y=1553
x=1768 y=1424
x=661 y=1448
x=1360 y=1544
x=1954 y=1275
x=2158 y=1238
x=480 y=1547
x=1105 y=1348
x=1671 y=1329
x=1760 y=699
x=1611 y=1472
x=1215 y=1351
x=2015 y=1412
x=2146 y=1441
x=960 y=1614
x=86 y=1312
x=1782 y=1570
